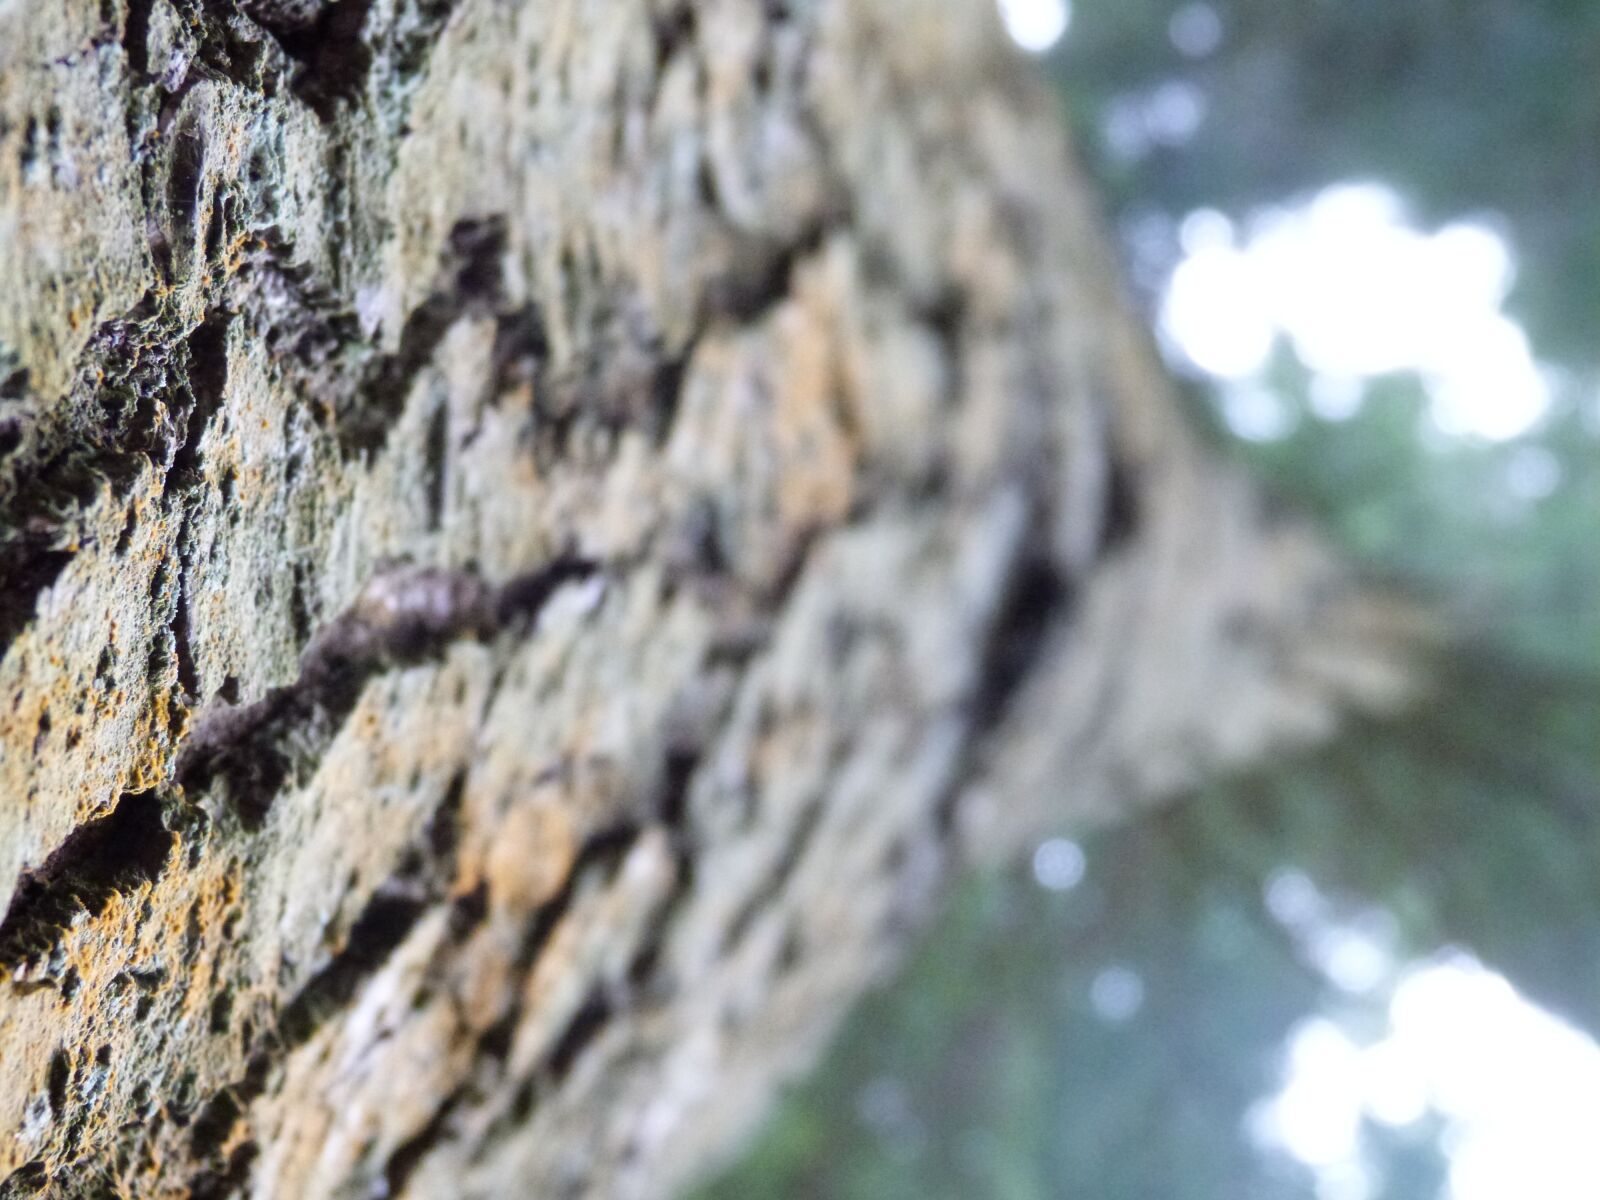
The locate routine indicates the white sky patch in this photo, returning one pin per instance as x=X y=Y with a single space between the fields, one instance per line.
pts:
x=1173 y=112
x=1195 y=30
x=1517 y=1088
x=1359 y=293
x=1336 y=397
x=1355 y=960
x=1058 y=864
x=1036 y=25
x=1117 y=994
x=1533 y=473
x=1256 y=413
x=1317 y=1115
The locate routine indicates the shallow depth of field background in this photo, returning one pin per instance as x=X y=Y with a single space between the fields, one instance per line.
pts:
x=1367 y=234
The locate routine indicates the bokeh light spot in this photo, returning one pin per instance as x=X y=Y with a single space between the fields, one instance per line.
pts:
x=1058 y=864
x=1036 y=25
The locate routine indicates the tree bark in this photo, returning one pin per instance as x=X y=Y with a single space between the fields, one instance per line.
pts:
x=533 y=538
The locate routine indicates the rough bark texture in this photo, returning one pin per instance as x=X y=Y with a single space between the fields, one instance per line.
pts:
x=533 y=536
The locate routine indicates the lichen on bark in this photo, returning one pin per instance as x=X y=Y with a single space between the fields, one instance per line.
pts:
x=354 y=849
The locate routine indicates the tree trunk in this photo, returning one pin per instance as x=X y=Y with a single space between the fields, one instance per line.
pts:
x=533 y=538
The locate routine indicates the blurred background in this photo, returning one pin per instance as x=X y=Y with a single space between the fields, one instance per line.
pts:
x=1367 y=233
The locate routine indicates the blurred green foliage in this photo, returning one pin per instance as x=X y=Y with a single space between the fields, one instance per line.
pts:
x=988 y=1070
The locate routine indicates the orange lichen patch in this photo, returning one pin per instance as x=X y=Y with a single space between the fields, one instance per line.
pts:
x=531 y=854
x=198 y=928
x=812 y=427
x=233 y=253
x=154 y=947
x=502 y=784
x=149 y=741
x=102 y=946
x=483 y=977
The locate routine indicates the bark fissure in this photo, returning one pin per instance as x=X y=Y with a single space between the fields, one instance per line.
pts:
x=118 y=852
x=402 y=617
